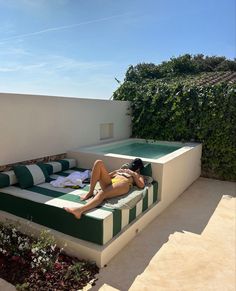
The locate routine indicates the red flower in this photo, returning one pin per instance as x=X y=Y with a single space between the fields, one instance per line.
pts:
x=57 y=266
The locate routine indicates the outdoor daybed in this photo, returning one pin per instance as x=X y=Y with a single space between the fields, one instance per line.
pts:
x=43 y=204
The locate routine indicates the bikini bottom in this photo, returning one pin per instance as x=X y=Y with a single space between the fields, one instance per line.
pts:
x=118 y=180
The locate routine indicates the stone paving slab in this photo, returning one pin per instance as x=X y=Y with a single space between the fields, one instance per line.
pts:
x=189 y=263
x=5 y=286
x=190 y=246
x=197 y=262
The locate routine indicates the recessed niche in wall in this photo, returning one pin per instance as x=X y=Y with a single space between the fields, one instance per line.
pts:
x=106 y=130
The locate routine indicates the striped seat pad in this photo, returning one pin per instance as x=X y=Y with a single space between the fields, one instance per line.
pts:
x=44 y=204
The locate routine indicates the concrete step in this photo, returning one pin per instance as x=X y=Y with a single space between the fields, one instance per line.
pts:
x=5 y=286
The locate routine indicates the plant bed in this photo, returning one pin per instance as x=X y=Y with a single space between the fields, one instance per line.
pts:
x=32 y=263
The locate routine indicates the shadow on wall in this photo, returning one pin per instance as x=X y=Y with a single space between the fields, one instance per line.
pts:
x=191 y=212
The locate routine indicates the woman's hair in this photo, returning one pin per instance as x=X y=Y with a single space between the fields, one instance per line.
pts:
x=136 y=164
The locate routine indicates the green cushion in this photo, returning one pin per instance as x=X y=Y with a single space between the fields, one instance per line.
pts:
x=7 y=178
x=29 y=175
x=147 y=170
x=4 y=180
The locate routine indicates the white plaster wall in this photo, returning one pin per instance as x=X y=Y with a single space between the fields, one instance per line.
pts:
x=179 y=173
x=34 y=126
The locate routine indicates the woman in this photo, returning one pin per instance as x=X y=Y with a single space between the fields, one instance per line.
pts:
x=113 y=184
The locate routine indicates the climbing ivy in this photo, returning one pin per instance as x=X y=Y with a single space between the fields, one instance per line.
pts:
x=180 y=111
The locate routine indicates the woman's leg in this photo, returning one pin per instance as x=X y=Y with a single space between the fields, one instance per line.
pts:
x=99 y=173
x=113 y=190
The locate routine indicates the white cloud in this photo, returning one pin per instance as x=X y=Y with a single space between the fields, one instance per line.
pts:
x=18 y=67
x=14 y=51
x=64 y=63
x=58 y=28
x=59 y=76
x=33 y=4
x=13 y=59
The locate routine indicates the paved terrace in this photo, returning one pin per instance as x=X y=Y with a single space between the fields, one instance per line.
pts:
x=190 y=246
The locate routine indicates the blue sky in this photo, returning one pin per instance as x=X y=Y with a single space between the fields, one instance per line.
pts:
x=77 y=47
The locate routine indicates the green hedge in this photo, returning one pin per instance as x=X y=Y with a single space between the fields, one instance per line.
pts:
x=184 y=112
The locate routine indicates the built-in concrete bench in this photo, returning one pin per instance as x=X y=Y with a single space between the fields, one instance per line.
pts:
x=89 y=237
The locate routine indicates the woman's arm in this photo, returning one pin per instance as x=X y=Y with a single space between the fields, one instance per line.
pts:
x=138 y=180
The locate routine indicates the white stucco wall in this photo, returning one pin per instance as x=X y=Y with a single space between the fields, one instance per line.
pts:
x=34 y=126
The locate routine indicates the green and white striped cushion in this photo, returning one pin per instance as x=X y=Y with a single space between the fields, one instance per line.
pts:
x=29 y=175
x=7 y=178
x=60 y=165
x=147 y=170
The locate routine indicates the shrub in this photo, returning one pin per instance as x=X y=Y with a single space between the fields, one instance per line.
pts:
x=180 y=111
x=180 y=100
x=38 y=264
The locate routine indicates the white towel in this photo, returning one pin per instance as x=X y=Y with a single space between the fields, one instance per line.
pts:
x=74 y=179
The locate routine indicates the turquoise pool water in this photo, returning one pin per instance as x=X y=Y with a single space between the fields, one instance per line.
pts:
x=139 y=149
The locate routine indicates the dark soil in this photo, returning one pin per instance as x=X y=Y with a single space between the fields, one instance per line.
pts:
x=62 y=276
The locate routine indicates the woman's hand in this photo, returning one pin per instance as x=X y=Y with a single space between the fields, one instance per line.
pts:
x=138 y=179
x=128 y=171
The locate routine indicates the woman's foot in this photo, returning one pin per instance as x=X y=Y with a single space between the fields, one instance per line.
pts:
x=75 y=211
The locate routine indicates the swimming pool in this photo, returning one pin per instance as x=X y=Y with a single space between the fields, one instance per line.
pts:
x=137 y=148
x=175 y=165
